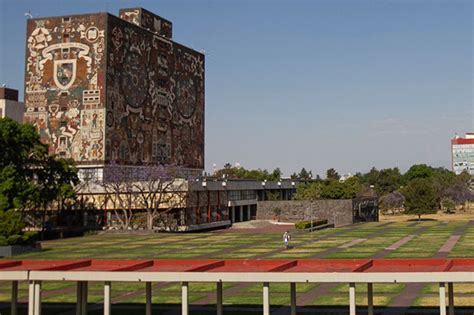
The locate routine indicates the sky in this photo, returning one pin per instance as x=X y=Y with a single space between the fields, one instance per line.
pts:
x=314 y=84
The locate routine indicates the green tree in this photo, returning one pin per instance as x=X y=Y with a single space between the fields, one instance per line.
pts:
x=417 y=171
x=420 y=197
x=310 y=191
x=448 y=204
x=29 y=177
x=303 y=175
x=348 y=189
x=388 y=181
x=332 y=175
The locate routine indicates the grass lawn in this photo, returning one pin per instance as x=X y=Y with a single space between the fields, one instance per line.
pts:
x=430 y=236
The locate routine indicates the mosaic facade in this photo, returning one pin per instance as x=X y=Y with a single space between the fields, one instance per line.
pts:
x=65 y=84
x=102 y=89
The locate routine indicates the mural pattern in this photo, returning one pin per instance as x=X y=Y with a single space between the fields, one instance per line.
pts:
x=64 y=84
x=148 y=20
x=101 y=89
x=155 y=99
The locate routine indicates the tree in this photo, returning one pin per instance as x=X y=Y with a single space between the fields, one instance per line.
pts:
x=303 y=175
x=310 y=191
x=160 y=191
x=448 y=204
x=417 y=171
x=332 y=175
x=348 y=189
x=389 y=180
x=393 y=201
x=29 y=177
x=420 y=197
x=241 y=173
x=122 y=195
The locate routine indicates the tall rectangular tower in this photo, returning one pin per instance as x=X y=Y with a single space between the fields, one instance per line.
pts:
x=103 y=90
x=462 y=153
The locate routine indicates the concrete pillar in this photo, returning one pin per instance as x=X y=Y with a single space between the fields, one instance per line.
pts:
x=293 y=298
x=442 y=299
x=107 y=298
x=184 y=298
x=241 y=209
x=266 y=298
x=451 y=298
x=370 y=299
x=37 y=303
x=14 y=304
x=232 y=213
x=148 y=298
x=352 y=299
x=79 y=297
x=219 y=298
x=249 y=213
x=84 y=298
x=31 y=298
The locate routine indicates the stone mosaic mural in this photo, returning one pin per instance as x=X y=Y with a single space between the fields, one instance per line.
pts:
x=148 y=20
x=155 y=97
x=101 y=89
x=64 y=84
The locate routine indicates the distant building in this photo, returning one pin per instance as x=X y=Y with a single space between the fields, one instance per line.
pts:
x=9 y=105
x=103 y=89
x=462 y=153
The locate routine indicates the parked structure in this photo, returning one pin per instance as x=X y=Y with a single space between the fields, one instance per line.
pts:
x=446 y=272
x=462 y=153
x=9 y=105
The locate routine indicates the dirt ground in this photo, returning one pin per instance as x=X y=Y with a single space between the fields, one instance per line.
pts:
x=467 y=214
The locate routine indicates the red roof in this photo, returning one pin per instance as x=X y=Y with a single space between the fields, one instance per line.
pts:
x=462 y=141
x=236 y=265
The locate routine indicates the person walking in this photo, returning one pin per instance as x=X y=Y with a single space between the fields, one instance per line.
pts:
x=286 y=239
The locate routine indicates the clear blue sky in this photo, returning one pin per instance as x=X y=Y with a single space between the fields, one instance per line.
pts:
x=315 y=84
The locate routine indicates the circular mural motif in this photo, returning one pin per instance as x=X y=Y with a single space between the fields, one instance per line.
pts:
x=134 y=81
x=186 y=97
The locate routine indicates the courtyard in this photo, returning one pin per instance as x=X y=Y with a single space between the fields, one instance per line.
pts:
x=387 y=240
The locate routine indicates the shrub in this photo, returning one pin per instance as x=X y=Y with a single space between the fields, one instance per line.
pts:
x=11 y=226
x=307 y=224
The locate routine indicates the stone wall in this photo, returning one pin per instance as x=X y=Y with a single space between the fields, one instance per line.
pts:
x=338 y=212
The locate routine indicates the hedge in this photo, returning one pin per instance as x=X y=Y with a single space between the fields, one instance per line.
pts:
x=307 y=224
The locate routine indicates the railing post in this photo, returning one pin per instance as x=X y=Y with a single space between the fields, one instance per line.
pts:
x=370 y=299
x=31 y=298
x=266 y=298
x=84 y=290
x=352 y=299
x=293 y=298
x=219 y=298
x=37 y=303
x=79 y=298
x=451 y=298
x=442 y=298
x=107 y=298
x=148 y=297
x=184 y=298
x=14 y=304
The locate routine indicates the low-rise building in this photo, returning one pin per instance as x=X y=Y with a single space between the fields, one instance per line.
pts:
x=462 y=153
x=9 y=105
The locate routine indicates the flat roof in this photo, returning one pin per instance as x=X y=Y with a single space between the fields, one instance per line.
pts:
x=244 y=265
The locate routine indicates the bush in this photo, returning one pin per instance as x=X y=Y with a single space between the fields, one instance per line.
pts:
x=307 y=224
x=11 y=226
x=10 y=223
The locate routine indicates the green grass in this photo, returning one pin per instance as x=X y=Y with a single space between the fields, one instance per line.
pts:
x=253 y=246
